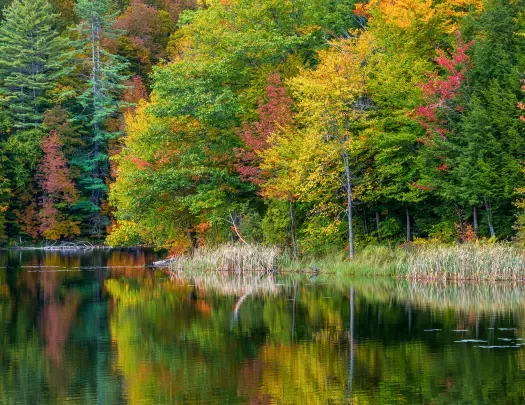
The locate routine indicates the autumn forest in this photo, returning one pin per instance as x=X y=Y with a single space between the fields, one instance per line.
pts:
x=313 y=125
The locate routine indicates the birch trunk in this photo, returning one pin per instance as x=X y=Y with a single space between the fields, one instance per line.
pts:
x=348 y=187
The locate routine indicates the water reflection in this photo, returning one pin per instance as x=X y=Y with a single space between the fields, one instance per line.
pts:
x=55 y=341
x=100 y=327
x=337 y=341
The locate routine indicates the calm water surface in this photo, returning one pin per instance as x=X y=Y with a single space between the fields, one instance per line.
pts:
x=101 y=328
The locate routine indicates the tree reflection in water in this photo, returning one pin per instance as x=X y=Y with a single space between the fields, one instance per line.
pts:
x=82 y=329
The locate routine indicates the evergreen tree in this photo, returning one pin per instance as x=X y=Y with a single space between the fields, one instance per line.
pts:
x=32 y=59
x=99 y=101
x=474 y=159
x=491 y=139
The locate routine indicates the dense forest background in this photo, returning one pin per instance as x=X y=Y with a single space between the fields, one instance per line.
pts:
x=315 y=125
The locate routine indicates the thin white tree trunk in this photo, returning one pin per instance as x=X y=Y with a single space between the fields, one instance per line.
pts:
x=349 y=204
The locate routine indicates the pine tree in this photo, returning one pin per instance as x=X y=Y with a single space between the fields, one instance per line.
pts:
x=474 y=160
x=99 y=100
x=492 y=138
x=32 y=59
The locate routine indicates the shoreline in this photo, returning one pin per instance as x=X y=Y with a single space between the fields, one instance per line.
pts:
x=470 y=263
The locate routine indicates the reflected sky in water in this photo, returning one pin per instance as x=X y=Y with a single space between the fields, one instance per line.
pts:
x=101 y=328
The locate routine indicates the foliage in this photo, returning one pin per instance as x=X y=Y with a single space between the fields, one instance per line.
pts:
x=33 y=57
x=126 y=233
x=99 y=101
x=59 y=192
x=274 y=114
x=311 y=125
x=147 y=31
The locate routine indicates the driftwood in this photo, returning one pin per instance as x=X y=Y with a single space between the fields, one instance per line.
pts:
x=163 y=263
x=80 y=245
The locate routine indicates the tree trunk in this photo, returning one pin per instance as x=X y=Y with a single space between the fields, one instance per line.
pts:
x=97 y=170
x=348 y=187
x=378 y=226
x=409 y=226
x=292 y=230
x=192 y=236
x=475 y=219
x=488 y=207
x=236 y=223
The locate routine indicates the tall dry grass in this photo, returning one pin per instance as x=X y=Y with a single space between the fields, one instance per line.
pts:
x=468 y=262
x=232 y=258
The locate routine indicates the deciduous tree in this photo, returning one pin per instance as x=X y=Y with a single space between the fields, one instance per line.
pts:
x=59 y=192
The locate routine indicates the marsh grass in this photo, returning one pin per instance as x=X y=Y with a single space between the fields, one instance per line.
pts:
x=238 y=258
x=231 y=258
x=468 y=262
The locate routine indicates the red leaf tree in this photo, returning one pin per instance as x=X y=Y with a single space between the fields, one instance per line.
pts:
x=274 y=114
x=441 y=93
x=59 y=191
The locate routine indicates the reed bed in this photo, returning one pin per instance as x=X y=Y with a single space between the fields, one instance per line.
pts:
x=231 y=258
x=468 y=262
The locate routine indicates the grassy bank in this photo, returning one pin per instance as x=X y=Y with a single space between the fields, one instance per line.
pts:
x=371 y=261
x=472 y=262
x=432 y=263
x=467 y=262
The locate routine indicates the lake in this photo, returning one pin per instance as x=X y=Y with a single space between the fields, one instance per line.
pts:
x=98 y=327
